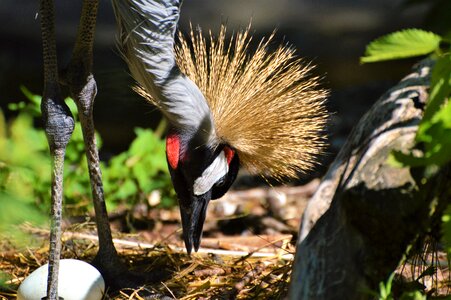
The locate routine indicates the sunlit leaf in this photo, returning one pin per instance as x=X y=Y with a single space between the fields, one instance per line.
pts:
x=15 y=211
x=401 y=44
x=126 y=189
x=440 y=86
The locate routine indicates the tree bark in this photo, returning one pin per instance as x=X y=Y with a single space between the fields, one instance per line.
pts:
x=366 y=212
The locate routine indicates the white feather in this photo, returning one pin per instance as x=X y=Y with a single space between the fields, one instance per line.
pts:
x=215 y=171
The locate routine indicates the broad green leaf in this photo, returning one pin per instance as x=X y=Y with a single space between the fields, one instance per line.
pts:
x=401 y=44
x=72 y=106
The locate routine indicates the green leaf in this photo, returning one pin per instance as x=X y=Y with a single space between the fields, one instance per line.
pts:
x=401 y=44
x=33 y=107
x=16 y=210
x=434 y=131
x=141 y=174
x=398 y=159
x=440 y=86
x=385 y=292
x=35 y=99
x=414 y=295
x=436 y=136
x=127 y=189
x=72 y=106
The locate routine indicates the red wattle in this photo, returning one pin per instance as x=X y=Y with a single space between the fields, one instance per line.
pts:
x=173 y=150
x=228 y=154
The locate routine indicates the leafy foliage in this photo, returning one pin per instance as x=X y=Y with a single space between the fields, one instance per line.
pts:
x=413 y=295
x=76 y=178
x=385 y=289
x=134 y=174
x=401 y=44
x=25 y=164
x=21 y=166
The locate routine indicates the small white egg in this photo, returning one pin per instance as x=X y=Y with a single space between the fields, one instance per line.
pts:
x=77 y=280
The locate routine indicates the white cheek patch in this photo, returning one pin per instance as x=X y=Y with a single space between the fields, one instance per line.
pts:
x=218 y=169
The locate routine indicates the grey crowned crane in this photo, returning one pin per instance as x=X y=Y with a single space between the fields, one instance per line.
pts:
x=226 y=108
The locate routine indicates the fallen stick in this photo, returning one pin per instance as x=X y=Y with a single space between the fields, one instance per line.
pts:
x=202 y=251
x=70 y=235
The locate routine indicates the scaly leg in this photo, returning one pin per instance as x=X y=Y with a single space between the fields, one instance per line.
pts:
x=59 y=125
x=83 y=90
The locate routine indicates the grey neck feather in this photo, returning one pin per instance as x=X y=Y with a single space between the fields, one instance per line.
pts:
x=146 y=40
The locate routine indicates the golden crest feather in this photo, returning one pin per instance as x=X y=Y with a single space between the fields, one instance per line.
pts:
x=265 y=104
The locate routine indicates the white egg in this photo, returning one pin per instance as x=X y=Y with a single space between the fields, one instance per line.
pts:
x=77 y=280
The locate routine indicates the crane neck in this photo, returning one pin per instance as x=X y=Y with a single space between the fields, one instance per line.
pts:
x=146 y=40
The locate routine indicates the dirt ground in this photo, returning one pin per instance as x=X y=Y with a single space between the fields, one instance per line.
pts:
x=246 y=252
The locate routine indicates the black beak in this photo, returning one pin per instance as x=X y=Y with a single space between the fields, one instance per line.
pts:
x=193 y=214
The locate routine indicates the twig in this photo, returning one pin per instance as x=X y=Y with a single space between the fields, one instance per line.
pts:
x=249 y=276
x=169 y=290
x=210 y=272
x=68 y=235
x=304 y=190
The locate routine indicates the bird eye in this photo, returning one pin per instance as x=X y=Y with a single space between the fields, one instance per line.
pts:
x=220 y=182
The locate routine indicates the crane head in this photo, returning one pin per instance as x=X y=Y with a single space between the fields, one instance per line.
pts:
x=199 y=173
x=223 y=101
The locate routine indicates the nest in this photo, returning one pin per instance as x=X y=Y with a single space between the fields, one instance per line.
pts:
x=262 y=274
